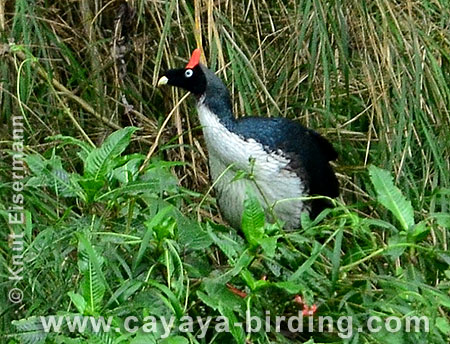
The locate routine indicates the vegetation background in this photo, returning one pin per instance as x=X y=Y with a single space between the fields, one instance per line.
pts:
x=132 y=228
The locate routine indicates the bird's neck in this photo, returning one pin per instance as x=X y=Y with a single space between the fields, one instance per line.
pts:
x=218 y=101
x=218 y=130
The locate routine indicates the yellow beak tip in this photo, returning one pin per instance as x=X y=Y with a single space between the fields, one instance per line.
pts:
x=163 y=81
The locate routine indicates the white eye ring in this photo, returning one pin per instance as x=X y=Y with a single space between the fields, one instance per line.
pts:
x=188 y=73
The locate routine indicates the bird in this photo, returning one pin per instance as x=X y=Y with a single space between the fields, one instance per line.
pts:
x=284 y=161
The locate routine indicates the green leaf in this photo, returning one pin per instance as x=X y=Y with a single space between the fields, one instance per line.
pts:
x=236 y=328
x=443 y=219
x=191 y=235
x=154 y=221
x=288 y=286
x=231 y=247
x=211 y=302
x=243 y=262
x=252 y=282
x=36 y=163
x=86 y=148
x=443 y=325
x=269 y=245
x=78 y=301
x=336 y=257
x=240 y=174
x=131 y=189
x=93 y=285
x=253 y=220
x=144 y=338
x=127 y=169
x=384 y=336
x=391 y=197
x=30 y=330
x=248 y=279
x=395 y=248
x=175 y=340
x=307 y=264
x=420 y=231
x=100 y=160
x=90 y=186
x=169 y=298
x=50 y=173
x=443 y=299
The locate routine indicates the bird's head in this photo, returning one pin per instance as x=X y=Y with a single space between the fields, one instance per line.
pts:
x=191 y=78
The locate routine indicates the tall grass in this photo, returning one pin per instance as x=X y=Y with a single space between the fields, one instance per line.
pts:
x=372 y=76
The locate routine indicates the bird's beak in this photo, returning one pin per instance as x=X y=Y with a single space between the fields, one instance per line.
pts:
x=163 y=81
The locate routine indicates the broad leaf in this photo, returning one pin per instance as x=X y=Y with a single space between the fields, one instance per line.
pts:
x=86 y=148
x=236 y=327
x=391 y=197
x=175 y=340
x=51 y=173
x=101 y=160
x=93 y=285
x=253 y=220
x=30 y=330
x=78 y=300
x=148 y=235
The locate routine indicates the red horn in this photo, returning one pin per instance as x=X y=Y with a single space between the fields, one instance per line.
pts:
x=195 y=59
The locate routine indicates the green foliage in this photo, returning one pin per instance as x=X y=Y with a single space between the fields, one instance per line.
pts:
x=101 y=160
x=253 y=220
x=135 y=254
x=93 y=283
x=391 y=197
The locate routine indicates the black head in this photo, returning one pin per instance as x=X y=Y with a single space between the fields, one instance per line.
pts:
x=203 y=83
x=191 y=78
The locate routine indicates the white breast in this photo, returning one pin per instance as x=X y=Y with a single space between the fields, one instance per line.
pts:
x=274 y=182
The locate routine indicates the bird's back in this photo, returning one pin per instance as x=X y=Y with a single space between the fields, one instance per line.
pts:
x=308 y=151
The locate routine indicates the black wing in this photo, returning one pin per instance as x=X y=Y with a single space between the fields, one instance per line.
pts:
x=309 y=152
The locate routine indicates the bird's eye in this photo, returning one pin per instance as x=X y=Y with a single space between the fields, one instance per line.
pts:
x=188 y=73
